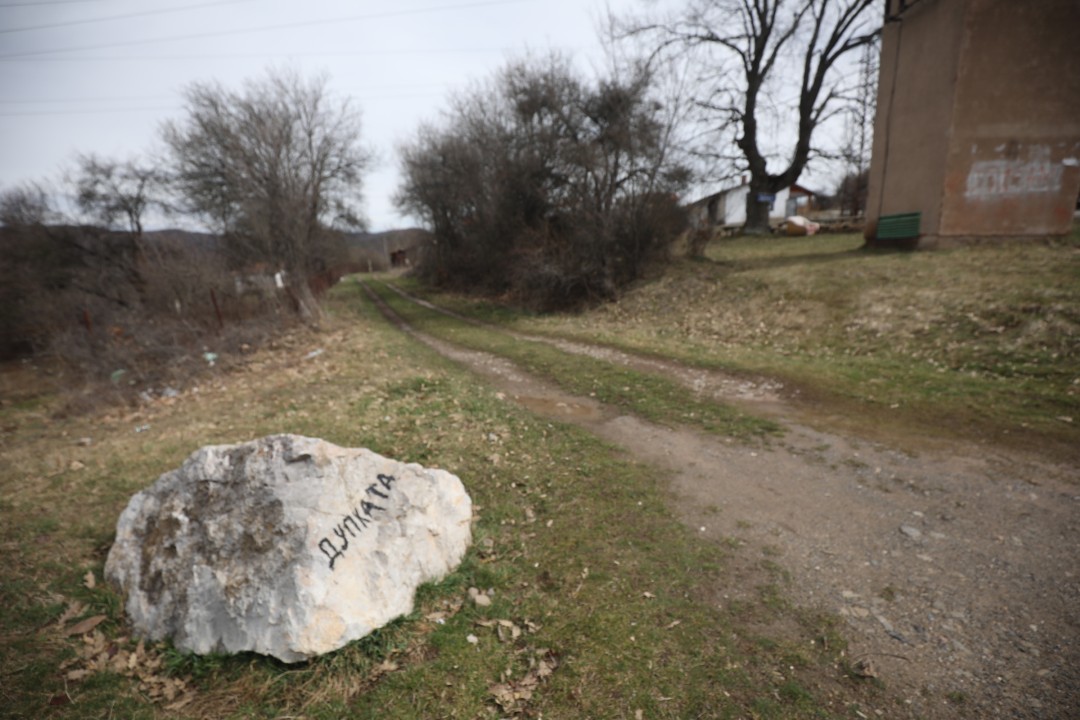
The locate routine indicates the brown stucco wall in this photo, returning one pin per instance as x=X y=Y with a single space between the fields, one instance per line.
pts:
x=916 y=91
x=1014 y=161
x=983 y=136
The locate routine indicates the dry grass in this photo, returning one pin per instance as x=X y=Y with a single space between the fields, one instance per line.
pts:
x=978 y=343
x=568 y=537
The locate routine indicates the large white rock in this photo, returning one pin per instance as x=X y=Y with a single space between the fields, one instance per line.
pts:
x=286 y=546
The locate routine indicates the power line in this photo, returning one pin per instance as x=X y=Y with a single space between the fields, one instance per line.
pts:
x=35 y=3
x=356 y=90
x=266 y=28
x=176 y=108
x=125 y=16
x=48 y=101
x=99 y=111
x=275 y=54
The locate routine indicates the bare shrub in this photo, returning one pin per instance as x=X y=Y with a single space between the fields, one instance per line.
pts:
x=118 y=315
x=272 y=167
x=545 y=187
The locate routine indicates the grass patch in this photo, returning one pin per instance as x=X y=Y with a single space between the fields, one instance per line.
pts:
x=967 y=343
x=651 y=396
x=569 y=537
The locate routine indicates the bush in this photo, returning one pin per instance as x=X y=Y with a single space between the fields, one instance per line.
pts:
x=543 y=187
x=105 y=307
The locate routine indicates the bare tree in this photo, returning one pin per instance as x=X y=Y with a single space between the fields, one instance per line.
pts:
x=64 y=254
x=111 y=192
x=271 y=167
x=26 y=205
x=749 y=52
x=545 y=186
x=116 y=195
x=61 y=278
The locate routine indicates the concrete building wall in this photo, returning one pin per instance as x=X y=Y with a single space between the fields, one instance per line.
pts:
x=916 y=89
x=735 y=205
x=978 y=123
x=1014 y=160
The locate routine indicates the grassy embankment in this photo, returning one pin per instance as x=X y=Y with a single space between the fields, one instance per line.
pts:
x=608 y=604
x=975 y=343
x=648 y=395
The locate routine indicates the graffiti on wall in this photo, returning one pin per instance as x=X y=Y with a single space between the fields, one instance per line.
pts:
x=992 y=179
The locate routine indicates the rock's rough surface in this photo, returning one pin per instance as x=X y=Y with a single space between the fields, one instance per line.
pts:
x=286 y=546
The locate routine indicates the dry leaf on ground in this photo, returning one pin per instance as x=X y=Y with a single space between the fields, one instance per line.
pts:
x=85 y=626
x=74 y=610
x=512 y=697
x=98 y=653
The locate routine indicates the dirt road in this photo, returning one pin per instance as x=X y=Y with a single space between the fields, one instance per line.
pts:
x=955 y=571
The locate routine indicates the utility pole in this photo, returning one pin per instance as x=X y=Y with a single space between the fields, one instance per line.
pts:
x=860 y=131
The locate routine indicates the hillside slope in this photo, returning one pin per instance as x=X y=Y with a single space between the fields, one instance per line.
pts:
x=980 y=343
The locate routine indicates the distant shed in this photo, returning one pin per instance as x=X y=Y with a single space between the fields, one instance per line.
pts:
x=727 y=208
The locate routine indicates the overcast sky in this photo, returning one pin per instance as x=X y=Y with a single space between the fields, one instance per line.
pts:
x=100 y=76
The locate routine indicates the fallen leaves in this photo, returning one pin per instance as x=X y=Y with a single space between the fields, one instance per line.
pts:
x=512 y=695
x=864 y=668
x=84 y=626
x=449 y=608
x=73 y=610
x=505 y=630
x=98 y=654
x=486 y=550
x=480 y=598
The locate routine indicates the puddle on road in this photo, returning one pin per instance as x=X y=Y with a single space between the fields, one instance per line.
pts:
x=561 y=409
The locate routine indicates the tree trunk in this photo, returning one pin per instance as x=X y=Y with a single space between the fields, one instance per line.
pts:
x=307 y=307
x=757 y=212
